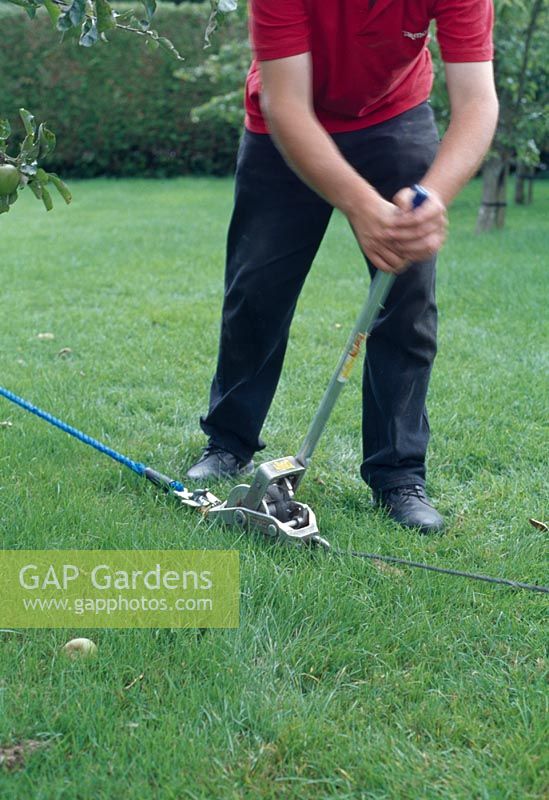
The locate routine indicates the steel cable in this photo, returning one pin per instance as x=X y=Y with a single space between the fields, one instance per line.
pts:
x=531 y=587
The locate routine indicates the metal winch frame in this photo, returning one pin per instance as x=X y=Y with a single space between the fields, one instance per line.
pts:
x=268 y=506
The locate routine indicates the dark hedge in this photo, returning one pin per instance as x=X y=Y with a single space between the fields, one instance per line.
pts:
x=116 y=108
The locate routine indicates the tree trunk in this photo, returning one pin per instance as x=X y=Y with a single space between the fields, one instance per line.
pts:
x=491 y=213
x=524 y=185
x=496 y=169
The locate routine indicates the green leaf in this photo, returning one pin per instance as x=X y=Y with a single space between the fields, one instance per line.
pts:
x=61 y=187
x=29 y=149
x=53 y=10
x=90 y=34
x=42 y=175
x=150 y=8
x=36 y=188
x=22 y=3
x=77 y=12
x=63 y=23
x=30 y=6
x=105 y=16
x=5 y=130
x=46 y=199
x=73 y=17
x=28 y=121
x=46 y=141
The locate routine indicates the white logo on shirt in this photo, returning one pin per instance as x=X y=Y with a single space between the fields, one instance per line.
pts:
x=415 y=35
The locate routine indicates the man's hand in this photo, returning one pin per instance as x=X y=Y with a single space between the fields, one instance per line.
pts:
x=418 y=233
x=395 y=235
x=373 y=227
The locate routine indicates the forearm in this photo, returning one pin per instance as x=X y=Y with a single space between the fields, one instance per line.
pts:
x=312 y=154
x=287 y=105
x=463 y=147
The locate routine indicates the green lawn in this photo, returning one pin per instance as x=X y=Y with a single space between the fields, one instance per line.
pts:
x=345 y=679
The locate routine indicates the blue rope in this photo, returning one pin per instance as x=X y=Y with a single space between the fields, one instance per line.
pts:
x=135 y=466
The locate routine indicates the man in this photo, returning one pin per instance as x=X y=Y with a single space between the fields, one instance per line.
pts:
x=337 y=116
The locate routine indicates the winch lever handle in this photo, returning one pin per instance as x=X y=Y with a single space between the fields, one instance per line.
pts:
x=379 y=289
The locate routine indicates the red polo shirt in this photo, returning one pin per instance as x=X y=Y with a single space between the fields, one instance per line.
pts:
x=370 y=59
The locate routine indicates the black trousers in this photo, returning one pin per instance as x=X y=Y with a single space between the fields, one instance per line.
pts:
x=275 y=231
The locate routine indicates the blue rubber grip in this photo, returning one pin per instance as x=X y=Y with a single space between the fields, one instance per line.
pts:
x=420 y=196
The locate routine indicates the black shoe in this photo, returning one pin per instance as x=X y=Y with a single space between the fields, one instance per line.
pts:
x=410 y=506
x=215 y=462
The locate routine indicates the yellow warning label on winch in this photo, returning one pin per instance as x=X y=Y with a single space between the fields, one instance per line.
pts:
x=283 y=465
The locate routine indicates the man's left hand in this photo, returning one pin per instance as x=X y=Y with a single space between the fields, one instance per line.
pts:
x=418 y=233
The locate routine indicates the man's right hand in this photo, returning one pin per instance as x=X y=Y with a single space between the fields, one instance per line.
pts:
x=373 y=225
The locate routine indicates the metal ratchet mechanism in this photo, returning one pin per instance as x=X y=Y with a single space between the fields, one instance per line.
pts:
x=268 y=505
